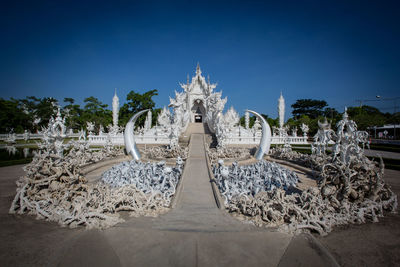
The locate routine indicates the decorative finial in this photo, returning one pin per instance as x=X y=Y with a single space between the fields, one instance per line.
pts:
x=115 y=91
x=198 y=71
x=187 y=82
x=345 y=115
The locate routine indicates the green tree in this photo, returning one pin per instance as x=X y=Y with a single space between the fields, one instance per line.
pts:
x=393 y=118
x=272 y=122
x=242 y=121
x=40 y=108
x=366 y=116
x=74 y=118
x=95 y=111
x=137 y=102
x=310 y=107
x=13 y=117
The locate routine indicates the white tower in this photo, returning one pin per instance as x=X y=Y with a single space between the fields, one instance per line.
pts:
x=281 y=111
x=147 y=123
x=115 y=109
x=246 y=119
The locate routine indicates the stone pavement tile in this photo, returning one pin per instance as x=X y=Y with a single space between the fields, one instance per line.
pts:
x=172 y=248
x=90 y=249
x=305 y=250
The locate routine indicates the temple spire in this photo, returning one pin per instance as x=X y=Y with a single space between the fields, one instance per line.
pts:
x=281 y=111
x=198 y=70
x=115 y=109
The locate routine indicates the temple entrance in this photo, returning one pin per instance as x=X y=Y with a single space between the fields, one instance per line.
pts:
x=198 y=118
x=198 y=111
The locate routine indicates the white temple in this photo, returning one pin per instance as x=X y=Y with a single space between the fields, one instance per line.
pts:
x=198 y=103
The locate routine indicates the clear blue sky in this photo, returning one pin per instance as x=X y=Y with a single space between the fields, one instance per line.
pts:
x=338 y=51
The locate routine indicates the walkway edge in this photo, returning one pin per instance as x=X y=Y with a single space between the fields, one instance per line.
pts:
x=325 y=252
x=217 y=196
x=179 y=188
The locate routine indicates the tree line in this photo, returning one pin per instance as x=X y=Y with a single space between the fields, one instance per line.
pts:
x=33 y=113
x=310 y=111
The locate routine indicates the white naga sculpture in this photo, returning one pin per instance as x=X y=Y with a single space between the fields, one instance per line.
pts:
x=129 y=138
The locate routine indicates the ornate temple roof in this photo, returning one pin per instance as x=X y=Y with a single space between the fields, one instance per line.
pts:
x=198 y=85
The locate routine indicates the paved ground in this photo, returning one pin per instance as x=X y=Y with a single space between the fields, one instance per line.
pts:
x=194 y=233
x=370 y=244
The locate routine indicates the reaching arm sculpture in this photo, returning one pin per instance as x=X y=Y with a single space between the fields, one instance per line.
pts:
x=265 y=142
x=129 y=137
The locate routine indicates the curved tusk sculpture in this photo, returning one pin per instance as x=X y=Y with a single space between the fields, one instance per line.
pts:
x=129 y=137
x=265 y=143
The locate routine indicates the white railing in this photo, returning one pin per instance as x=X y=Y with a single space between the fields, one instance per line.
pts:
x=239 y=140
x=119 y=139
x=3 y=137
x=162 y=139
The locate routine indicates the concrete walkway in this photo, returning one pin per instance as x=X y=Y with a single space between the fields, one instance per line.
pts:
x=194 y=233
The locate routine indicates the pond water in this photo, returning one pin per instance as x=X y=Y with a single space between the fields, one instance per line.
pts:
x=19 y=154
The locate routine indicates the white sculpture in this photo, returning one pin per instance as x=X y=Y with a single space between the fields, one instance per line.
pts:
x=101 y=129
x=11 y=138
x=249 y=180
x=26 y=135
x=129 y=138
x=11 y=149
x=304 y=129
x=90 y=127
x=231 y=118
x=256 y=126
x=149 y=178
x=265 y=141
x=164 y=118
x=322 y=138
x=348 y=139
x=82 y=135
x=26 y=152
x=294 y=131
